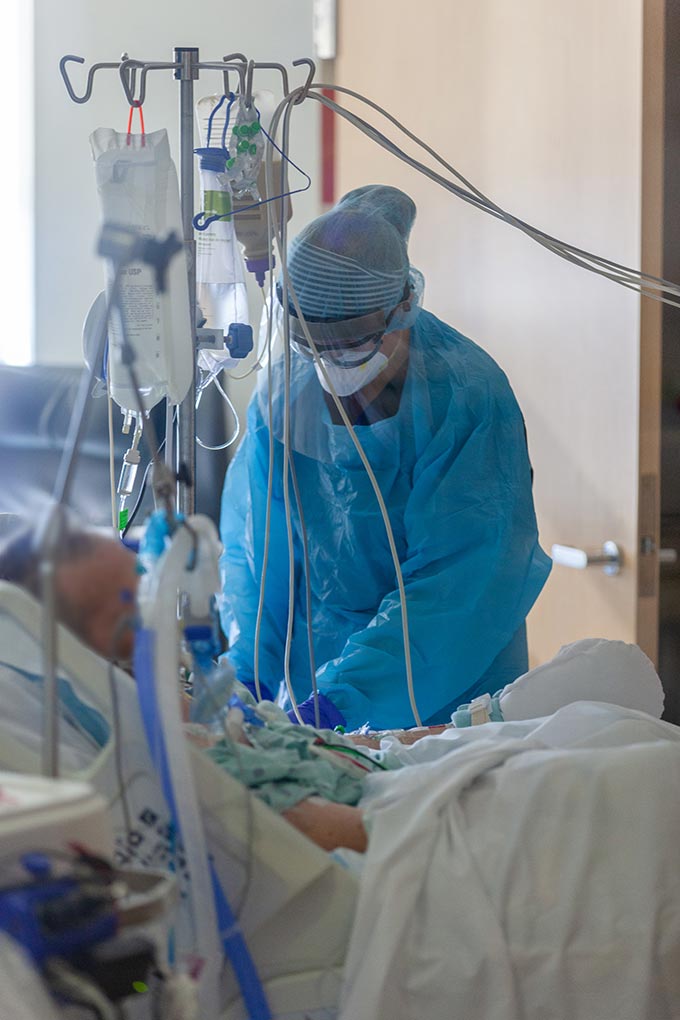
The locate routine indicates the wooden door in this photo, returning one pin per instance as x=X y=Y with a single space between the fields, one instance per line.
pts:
x=555 y=112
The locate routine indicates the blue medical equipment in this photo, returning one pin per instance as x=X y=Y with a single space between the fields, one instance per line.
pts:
x=55 y=915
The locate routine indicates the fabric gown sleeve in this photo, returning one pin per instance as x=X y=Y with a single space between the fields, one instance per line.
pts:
x=472 y=570
x=242 y=526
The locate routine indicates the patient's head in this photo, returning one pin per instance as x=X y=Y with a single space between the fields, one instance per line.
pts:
x=96 y=583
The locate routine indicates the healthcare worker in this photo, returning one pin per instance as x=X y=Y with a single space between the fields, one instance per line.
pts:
x=445 y=437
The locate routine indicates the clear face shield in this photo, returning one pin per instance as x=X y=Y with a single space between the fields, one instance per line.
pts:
x=349 y=348
x=345 y=343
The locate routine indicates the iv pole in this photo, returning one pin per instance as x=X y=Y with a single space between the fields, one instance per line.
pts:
x=185 y=66
x=187 y=73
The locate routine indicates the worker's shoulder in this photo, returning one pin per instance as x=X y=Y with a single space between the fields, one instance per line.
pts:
x=454 y=357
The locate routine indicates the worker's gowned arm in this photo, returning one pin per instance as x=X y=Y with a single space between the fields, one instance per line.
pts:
x=329 y=825
x=243 y=531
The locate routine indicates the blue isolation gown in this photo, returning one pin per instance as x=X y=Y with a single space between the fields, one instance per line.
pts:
x=453 y=468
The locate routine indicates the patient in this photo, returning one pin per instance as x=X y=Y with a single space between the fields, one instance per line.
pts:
x=312 y=778
x=96 y=580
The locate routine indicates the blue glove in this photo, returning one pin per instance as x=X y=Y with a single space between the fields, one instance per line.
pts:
x=264 y=690
x=329 y=715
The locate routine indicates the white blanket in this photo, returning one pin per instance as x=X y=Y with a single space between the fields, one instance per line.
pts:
x=530 y=872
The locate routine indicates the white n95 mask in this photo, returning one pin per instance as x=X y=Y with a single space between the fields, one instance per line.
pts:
x=348 y=379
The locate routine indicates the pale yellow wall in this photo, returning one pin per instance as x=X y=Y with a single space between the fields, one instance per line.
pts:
x=539 y=103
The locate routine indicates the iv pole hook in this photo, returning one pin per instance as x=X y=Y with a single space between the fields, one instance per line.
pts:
x=90 y=76
x=310 y=77
x=242 y=58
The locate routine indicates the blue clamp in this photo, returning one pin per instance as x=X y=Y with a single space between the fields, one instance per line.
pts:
x=239 y=340
x=249 y=713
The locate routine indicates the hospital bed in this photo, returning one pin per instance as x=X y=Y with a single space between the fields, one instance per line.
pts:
x=294 y=901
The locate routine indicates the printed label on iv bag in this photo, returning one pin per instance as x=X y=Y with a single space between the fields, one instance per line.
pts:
x=140 y=303
x=137 y=186
x=142 y=309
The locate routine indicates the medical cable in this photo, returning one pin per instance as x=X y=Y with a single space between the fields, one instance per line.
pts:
x=50 y=537
x=170 y=416
x=154 y=724
x=289 y=523
x=288 y=288
x=281 y=236
x=289 y=466
x=561 y=248
x=122 y=625
x=248 y=852
x=45 y=426
x=627 y=277
x=287 y=460
x=474 y=197
x=112 y=459
x=247 y=862
x=308 y=593
x=379 y=497
x=267 y=522
x=352 y=752
x=270 y=467
x=270 y=478
x=257 y=364
x=78 y=990
x=138 y=501
x=237 y=423
x=160 y=715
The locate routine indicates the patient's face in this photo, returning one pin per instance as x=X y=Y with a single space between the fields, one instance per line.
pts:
x=97 y=593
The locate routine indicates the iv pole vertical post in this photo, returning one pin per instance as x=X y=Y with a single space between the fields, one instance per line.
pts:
x=187 y=73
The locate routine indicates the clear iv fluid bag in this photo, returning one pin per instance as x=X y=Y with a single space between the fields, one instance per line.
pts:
x=137 y=187
x=220 y=272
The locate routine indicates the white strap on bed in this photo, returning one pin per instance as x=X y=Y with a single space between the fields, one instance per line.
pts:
x=480 y=710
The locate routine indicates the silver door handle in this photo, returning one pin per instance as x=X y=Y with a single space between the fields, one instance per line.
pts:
x=609 y=557
x=668 y=556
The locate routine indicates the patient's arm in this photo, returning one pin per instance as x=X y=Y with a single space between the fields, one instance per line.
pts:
x=403 y=736
x=329 y=825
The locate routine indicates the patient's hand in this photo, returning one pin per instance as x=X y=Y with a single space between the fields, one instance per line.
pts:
x=201 y=736
x=204 y=737
x=329 y=825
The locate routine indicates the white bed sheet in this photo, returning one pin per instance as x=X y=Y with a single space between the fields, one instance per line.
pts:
x=528 y=870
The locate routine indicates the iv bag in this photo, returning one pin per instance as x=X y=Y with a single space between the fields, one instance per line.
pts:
x=220 y=273
x=137 y=186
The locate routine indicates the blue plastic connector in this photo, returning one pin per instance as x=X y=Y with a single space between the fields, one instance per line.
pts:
x=239 y=340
